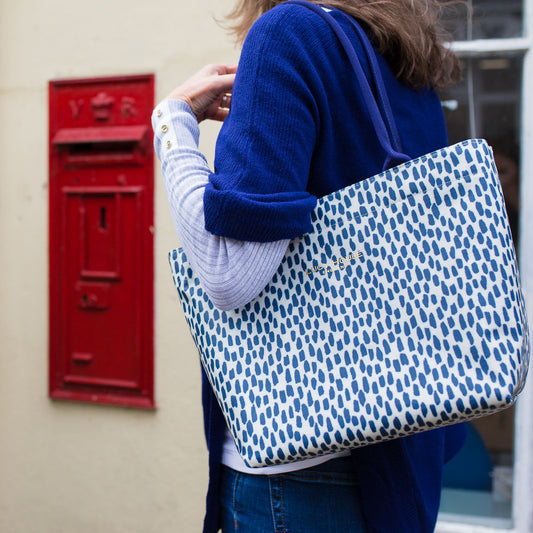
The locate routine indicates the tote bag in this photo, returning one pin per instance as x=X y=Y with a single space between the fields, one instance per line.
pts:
x=401 y=310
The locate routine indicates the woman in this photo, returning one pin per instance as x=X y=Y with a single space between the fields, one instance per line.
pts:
x=298 y=129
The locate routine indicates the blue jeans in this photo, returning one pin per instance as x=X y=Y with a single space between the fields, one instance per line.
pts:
x=321 y=499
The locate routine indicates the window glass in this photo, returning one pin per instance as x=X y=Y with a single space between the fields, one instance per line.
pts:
x=484 y=19
x=486 y=104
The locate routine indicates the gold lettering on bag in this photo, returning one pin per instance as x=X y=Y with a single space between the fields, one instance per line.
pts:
x=335 y=264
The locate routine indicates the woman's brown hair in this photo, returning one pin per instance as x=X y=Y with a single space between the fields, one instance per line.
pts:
x=406 y=33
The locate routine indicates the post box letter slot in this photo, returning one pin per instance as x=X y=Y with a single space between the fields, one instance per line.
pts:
x=102 y=145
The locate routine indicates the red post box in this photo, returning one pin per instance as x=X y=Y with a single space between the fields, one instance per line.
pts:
x=101 y=240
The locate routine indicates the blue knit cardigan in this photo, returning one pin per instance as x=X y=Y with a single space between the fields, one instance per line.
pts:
x=298 y=129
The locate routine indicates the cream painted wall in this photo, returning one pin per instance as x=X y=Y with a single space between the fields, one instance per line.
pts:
x=71 y=467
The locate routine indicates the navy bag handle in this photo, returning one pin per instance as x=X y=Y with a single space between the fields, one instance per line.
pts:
x=383 y=120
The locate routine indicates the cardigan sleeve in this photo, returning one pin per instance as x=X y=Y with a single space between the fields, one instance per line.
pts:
x=265 y=146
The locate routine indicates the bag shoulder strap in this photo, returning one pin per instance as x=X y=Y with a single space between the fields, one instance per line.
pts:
x=382 y=119
x=379 y=84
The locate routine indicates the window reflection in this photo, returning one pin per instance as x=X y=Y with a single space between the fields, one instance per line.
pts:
x=486 y=104
x=484 y=19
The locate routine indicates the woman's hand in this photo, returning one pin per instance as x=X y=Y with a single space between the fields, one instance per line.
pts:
x=208 y=92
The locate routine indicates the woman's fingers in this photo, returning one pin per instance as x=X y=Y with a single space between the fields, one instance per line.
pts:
x=207 y=92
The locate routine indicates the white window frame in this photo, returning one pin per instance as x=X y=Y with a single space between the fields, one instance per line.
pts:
x=522 y=505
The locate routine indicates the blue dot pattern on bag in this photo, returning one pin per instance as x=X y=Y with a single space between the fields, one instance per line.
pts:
x=401 y=311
